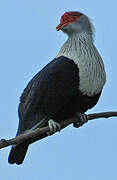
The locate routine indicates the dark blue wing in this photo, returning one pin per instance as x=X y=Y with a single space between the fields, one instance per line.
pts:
x=48 y=91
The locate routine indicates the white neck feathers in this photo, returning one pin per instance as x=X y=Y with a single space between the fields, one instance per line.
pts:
x=80 y=48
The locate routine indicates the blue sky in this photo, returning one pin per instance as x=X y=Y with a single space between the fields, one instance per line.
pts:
x=28 y=41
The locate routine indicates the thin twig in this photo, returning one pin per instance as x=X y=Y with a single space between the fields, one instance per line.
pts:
x=40 y=133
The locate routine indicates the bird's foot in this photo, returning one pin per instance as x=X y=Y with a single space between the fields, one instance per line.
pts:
x=82 y=118
x=53 y=126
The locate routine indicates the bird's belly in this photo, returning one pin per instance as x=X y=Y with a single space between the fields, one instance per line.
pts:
x=80 y=103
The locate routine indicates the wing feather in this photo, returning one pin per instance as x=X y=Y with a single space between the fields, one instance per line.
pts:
x=48 y=91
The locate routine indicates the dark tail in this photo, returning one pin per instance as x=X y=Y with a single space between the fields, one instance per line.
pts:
x=17 y=154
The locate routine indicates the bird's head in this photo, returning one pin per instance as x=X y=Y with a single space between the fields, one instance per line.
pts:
x=75 y=22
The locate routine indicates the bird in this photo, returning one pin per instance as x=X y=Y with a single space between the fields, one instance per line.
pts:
x=66 y=87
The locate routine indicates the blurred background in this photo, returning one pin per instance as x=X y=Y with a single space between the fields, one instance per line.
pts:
x=28 y=41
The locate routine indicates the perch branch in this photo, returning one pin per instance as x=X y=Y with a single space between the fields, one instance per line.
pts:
x=40 y=133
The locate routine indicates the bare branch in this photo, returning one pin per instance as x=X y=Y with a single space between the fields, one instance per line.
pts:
x=40 y=133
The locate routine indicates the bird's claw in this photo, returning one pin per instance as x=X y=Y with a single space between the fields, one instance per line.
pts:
x=82 y=118
x=53 y=126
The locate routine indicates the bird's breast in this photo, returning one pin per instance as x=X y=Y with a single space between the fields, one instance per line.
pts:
x=90 y=66
x=92 y=75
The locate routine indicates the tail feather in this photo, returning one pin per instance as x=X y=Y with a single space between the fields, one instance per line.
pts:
x=17 y=154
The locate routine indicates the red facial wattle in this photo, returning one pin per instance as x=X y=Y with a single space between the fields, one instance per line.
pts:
x=68 y=18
